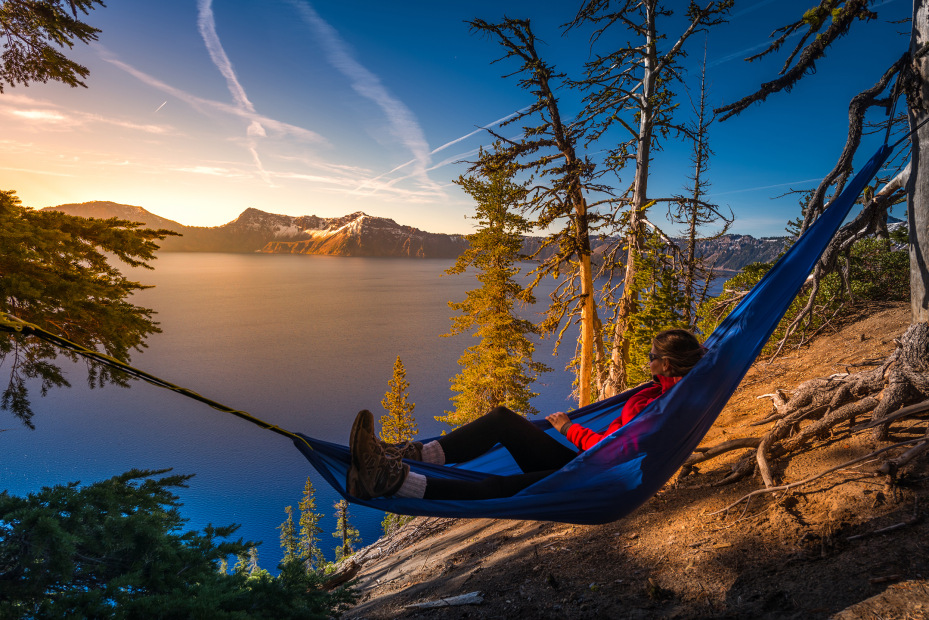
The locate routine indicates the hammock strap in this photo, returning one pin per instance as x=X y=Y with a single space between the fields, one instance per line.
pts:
x=13 y=324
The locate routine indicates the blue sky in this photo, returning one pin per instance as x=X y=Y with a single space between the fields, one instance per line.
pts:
x=197 y=110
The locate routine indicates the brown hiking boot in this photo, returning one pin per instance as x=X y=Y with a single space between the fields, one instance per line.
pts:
x=364 y=421
x=412 y=450
x=375 y=472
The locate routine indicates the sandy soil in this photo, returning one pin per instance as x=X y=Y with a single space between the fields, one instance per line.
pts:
x=809 y=553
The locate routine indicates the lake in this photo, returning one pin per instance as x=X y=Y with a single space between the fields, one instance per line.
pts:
x=303 y=342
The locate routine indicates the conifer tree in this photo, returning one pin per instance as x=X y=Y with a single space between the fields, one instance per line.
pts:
x=56 y=272
x=662 y=302
x=499 y=369
x=289 y=536
x=553 y=150
x=34 y=31
x=345 y=531
x=308 y=551
x=115 y=549
x=398 y=425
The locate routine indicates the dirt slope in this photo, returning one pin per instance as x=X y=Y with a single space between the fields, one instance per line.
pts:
x=811 y=553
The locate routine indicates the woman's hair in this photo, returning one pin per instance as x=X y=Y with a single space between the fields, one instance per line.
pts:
x=680 y=348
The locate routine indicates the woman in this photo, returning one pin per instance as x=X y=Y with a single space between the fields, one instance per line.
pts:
x=377 y=469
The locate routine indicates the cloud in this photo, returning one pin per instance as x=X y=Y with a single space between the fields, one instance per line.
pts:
x=40 y=115
x=207 y=26
x=401 y=119
x=205 y=106
x=58 y=118
x=763 y=187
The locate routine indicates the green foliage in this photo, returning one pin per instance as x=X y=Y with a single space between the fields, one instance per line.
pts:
x=398 y=425
x=878 y=272
x=33 y=31
x=662 y=305
x=115 y=549
x=55 y=272
x=308 y=552
x=393 y=522
x=499 y=369
x=289 y=536
x=345 y=531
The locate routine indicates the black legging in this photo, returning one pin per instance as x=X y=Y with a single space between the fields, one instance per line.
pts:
x=536 y=453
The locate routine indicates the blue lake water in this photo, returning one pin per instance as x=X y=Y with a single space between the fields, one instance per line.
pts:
x=303 y=342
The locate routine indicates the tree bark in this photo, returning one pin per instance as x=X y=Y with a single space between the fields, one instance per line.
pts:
x=620 y=355
x=918 y=185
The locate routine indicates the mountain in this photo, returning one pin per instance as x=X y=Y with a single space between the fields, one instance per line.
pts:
x=728 y=252
x=359 y=234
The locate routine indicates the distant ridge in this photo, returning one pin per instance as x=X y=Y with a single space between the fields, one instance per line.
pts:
x=357 y=234
x=360 y=234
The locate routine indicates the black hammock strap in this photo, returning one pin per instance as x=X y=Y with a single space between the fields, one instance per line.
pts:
x=13 y=324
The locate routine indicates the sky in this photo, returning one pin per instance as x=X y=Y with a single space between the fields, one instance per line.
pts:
x=199 y=109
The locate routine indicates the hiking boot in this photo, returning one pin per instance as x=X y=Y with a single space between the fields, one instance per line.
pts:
x=412 y=450
x=375 y=472
x=364 y=422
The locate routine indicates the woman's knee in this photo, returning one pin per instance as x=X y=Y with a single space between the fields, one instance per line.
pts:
x=502 y=413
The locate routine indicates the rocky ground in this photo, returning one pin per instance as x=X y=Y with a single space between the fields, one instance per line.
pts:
x=849 y=545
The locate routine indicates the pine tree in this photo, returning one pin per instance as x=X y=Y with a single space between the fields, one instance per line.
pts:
x=398 y=425
x=662 y=303
x=499 y=369
x=34 y=31
x=115 y=549
x=345 y=531
x=308 y=551
x=56 y=272
x=289 y=542
x=553 y=148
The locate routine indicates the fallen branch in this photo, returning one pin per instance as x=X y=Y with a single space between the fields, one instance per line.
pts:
x=471 y=598
x=344 y=572
x=786 y=487
x=897 y=526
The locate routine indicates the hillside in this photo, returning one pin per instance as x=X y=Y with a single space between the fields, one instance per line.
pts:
x=359 y=234
x=808 y=554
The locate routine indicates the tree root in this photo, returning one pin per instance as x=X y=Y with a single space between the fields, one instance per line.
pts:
x=792 y=485
x=885 y=393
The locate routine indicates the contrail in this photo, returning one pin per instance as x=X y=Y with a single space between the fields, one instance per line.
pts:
x=369 y=86
x=161 y=106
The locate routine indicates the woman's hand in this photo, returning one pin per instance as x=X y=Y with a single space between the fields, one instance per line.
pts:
x=560 y=421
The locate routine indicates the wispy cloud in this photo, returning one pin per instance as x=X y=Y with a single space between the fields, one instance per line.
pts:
x=763 y=187
x=54 y=117
x=207 y=25
x=207 y=105
x=401 y=119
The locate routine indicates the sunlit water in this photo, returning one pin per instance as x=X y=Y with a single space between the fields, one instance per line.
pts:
x=302 y=342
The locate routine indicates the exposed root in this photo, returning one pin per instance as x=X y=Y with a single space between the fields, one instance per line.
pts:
x=884 y=393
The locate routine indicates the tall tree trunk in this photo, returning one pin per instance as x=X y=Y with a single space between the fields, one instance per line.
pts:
x=918 y=186
x=620 y=354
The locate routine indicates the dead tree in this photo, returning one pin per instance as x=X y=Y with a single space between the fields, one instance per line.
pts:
x=820 y=27
x=832 y=408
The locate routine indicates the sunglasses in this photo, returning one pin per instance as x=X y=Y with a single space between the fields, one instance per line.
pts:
x=652 y=357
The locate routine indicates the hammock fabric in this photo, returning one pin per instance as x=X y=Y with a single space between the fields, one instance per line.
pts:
x=621 y=472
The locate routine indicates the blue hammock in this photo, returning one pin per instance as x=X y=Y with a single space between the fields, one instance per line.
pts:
x=621 y=472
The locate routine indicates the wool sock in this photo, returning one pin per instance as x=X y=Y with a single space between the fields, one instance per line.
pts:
x=433 y=453
x=414 y=486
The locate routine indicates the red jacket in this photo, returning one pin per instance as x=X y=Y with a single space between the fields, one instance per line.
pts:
x=584 y=438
